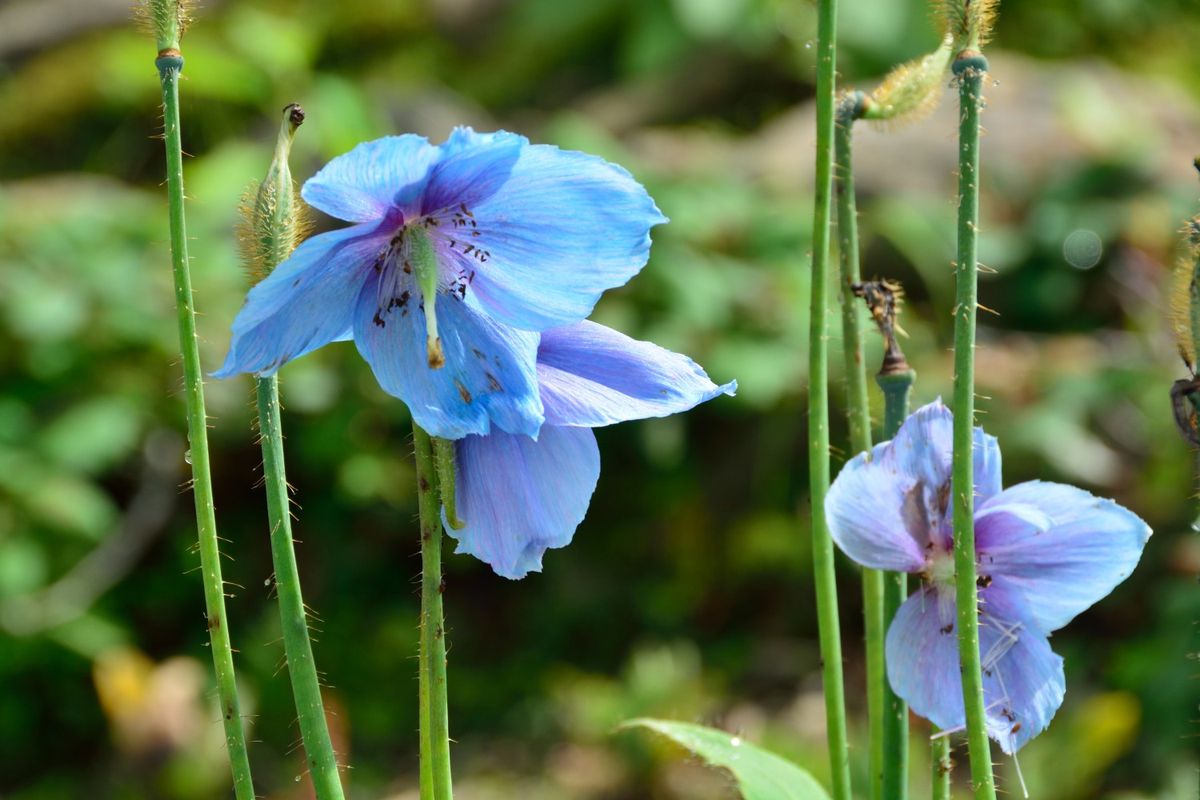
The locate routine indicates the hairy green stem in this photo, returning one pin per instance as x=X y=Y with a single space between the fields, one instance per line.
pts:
x=970 y=69
x=434 y=715
x=896 y=385
x=169 y=68
x=302 y=669
x=858 y=414
x=940 y=767
x=818 y=410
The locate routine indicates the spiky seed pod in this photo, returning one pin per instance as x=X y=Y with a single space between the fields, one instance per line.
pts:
x=165 y=20
x=911 y=90
x=272 y=219
x=967 y=22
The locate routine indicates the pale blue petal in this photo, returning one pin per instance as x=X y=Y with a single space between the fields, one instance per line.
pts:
x=922 y=657
x=489 y=376
x=1063 y=547
x=305 y=303
x=519 y=497
x=364 y=184
x=872 y=516
x=552 y=229
x=591 y=375
x=1023 y=681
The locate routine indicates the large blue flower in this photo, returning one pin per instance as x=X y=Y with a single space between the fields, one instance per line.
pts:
x=520 y=497
x=459 y=256
x=1044 y=552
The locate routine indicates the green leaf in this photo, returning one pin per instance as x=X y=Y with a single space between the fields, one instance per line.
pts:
x=760 y=775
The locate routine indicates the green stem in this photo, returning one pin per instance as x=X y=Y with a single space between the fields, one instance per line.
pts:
x=818 y=410
x=897 y=386
x=940 y=767
x=302 y=669
x=434 y=714
x=169 y=67
x=970 y=68
x=858 y=415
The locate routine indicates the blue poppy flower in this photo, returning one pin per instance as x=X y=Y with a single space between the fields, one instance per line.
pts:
x=520 y=497
x=1044 y=552
x=460 y=254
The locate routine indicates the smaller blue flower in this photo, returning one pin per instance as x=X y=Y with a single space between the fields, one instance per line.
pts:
x=520 y=497
x=459 y=255
x=1044 y=553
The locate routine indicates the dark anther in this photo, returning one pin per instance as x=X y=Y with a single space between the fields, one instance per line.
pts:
x=1183 y=402
x=948 y=628
x=378 y=320
x=462 y=392
x=983 y=581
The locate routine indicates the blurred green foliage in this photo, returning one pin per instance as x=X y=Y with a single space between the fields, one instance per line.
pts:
x=687 y=593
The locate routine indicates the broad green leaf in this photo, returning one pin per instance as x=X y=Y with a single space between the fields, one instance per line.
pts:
x=760 y=775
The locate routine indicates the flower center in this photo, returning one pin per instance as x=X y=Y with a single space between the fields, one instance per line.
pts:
x=940 y=568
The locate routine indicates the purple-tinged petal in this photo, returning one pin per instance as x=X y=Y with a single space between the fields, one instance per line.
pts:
x=519 y=497
x=305 y=303
x=1023 y=682
x=591 y=375
x=362 y=185
x=488 y=377
x=922 y=657
x=472 y=167
x=543 y=232
x=1064 y=548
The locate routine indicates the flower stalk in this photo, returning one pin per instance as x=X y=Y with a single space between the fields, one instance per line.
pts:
x=818 y=409
x=969 y=68
x=274 y=229
x=165 y=17
x=895 y=379
x=434 y=716
x=940 y=766
x=858 y=412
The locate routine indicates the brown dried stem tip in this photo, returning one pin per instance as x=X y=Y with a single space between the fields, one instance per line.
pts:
x=883 y=299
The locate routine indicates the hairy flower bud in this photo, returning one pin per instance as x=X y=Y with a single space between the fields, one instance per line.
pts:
x=911 y=90
x=272 y=217
x=165 y=20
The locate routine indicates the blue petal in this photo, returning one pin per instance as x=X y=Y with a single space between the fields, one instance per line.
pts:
x=1064 y=548
x=553 y=228
x=922 y=657
x=888 y=508
x=365 y=183
x=1023 y=681
x=519 y=497
x=305 y=303
x=873 y=512
x=592 y=375
x=489 y=375
x=472 y=167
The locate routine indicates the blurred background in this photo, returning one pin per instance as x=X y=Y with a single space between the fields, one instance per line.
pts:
x=688 y=591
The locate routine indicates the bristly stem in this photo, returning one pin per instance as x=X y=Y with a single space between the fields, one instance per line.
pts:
x=272 y=226
x=434 y=714
x=896 y=382
x=818 y=409
x=302 y=669
x=169 y=68
x=858 y=412
x=940 y=767
x=970 y=68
